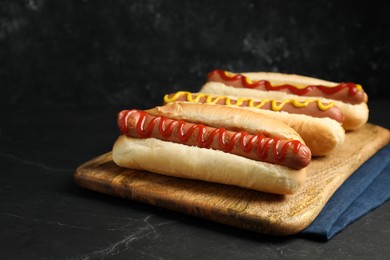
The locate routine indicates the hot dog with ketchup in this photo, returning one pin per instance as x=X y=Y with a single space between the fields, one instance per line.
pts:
x=349 y=97
x=213 y=143
x=318 y=123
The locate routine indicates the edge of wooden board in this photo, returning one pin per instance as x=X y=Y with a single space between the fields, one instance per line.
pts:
x=243 y=208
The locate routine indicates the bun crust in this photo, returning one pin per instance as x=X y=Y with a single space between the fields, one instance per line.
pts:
x=321 y=135
x=355 y=115
x=205 y=164
x=231 y=118
x=283 y=78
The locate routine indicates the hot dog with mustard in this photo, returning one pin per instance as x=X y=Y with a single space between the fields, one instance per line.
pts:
x=318 y=123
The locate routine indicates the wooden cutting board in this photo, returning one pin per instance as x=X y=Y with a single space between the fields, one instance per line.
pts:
x=247 y=209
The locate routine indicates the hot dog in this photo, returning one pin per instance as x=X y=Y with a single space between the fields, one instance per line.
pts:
x=318 y=123
x=213 y=143
x=349 y=97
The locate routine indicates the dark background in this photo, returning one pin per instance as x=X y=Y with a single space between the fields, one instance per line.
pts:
x=130 y=53
x=67 y=67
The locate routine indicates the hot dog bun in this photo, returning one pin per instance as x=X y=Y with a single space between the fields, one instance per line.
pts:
x=321 y=135
x=356 y=114
x=228 y=117
x=205 y=164
x=180 y=160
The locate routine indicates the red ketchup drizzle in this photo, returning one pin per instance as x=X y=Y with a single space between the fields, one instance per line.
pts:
x=352 y=90
x=245 y=140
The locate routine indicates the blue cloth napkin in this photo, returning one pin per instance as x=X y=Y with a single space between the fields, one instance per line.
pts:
x=365 y=190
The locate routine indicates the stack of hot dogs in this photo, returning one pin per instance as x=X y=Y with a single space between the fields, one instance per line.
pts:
x=254 y=130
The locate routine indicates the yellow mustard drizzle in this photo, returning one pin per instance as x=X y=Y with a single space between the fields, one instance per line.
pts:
x=275 y=105
x=251 y=102
x=304 y=103
x=322 y=106
x=229 y=74
x=248 y=81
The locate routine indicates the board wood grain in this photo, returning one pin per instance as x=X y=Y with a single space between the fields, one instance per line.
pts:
x=239 y=207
